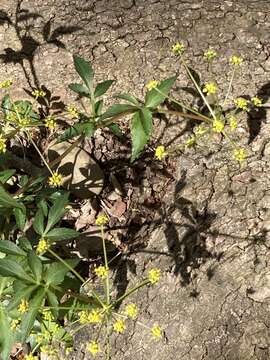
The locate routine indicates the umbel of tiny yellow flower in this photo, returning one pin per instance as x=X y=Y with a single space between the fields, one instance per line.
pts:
x=233 y=123
x=3 y=145
x=95 y=317
x=178 y=48
x=102 y=220
x=30 y=357
x=23 y=306
x=38 y=93
x=241 y=103
x=156 y=332
x=50 y=123
x=14 y=324
x=131 y=310
x=73 y=111
x=43 y=245
x=101 y=272
x=256 y=101
x=210 y=88
x=56 y=179
x=152 y=84
x=236 y=60
x=119 y=326
x=209 y=55
x=160 y=152
x=6 y=84
x=239 y=155
x=218 y=126
x=154 y=276
x=47 y=315
x=93 y=347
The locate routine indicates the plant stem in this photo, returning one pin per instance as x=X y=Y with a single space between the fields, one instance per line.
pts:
x=107 y=280
x=39 y=152
x=144 y=283
x=185 y=115
x=229 y=88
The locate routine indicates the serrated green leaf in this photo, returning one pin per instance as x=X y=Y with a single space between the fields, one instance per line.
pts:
x=10 y=268
x=35 y=265
x=6 y=174
x=128 y=97
x=154 y=97
x=62 y=234
x=80 y=89
x=98 y=107
x=38 y=223
x=8 y=247
x=53 y=302
x=57 y=271
x=22 y=293
x=57 y=211
x=20 y=217
x=87 y=129
x=6 y=104
x=118 y=109
x=84 y=69
x=141 y=129
x=7 y=339
x=116 y=130
x=42 y=205
x=102 y=87
x=6 y=200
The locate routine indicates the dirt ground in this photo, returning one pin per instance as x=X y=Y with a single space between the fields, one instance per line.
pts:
x=202 y=219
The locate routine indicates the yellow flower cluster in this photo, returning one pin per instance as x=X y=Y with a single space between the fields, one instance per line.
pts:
x=56 y=179
x=6 y=84
x=3 y=145
x=154 y=276
x=160 y=152
x=241 y=103
x=152 y=84
x=256 y=101
x=14 y=324
x=156 y=332
x=218 y=126
x=50 y=123
x=30 y=357
x=24 y=122
x=131 y=310
x=178 y=48
x=102 y=220
x=119 y=326
x=210 y=88
x=236 y=60
x=101 y=271
x=239 y=155
x=38 y=93
x=47 y=315
x=43 y=245
x=23 y=306
x=93 y=347
x=209 y=55
x=73 y=111
x=233 y=123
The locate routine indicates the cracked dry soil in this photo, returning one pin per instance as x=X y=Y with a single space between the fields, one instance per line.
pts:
x=212 y=237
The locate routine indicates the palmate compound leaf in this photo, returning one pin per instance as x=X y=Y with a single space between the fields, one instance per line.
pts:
x=141 y=129
x=157 y=95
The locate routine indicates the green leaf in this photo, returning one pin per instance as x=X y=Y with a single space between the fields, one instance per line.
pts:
x=154 y=97
x=116 y=130
x=102 y=87
x=29 y=318
x=20 y=217
x=6 y=104
x=19 y=294
x=8 y=247
x=128 y=97
x=7 y=339
x=98 y=107
x=57 y=271
x=6 y=174
x=38 y=222
x=57 y=211
x=84 y=69
x=62 y=234
x=35 y=265
x=42 y=205
x=10 y=268
x=6 y=200
x=53 y=302
x=118 y=109
x=141 y=129
x=79 y=89
x=82 y=128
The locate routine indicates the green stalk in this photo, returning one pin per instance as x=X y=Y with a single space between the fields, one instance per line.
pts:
x=39 y=152
x=229 y=88
x=131 y=291
x=107 y=281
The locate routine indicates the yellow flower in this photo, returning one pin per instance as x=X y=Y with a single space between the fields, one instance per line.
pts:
x=178 y=48
x=73 y=111
x=239 y=154
x=23 y=122
x=209 y=54
x=47 y=315
x=50 y=123
x=38 y=93
x=119 y=326
x=236 y=60
x=83 y=317
x=93 y=347
x=3 y=145
x=6 y=84
x=131 y=311
x=102 y=219
x=56 y=179
x=200 y=130
x=152 y=84
x=95 y=316
x=14 y=324
x=43 y=245
x=156 y=332
x=256 y=101
x=23 y=307
x=210 y=88
x=160 y=152
x=30 y=357
x=233 y=123
x=190 y=141
x=101 y=272
x=154 y=275
x=241 y=103
x=218 y=126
